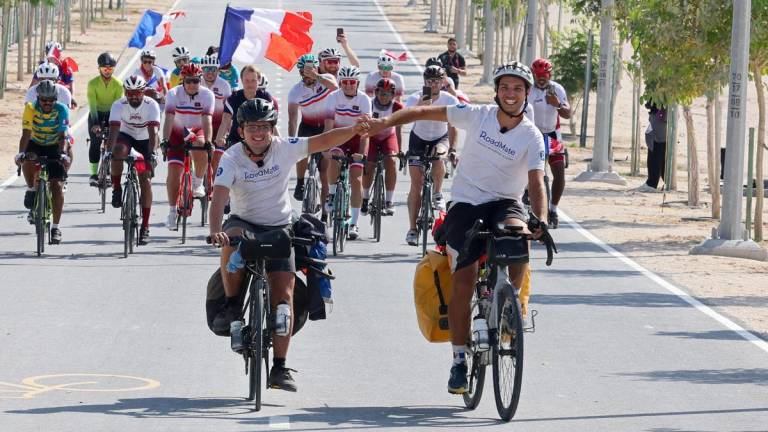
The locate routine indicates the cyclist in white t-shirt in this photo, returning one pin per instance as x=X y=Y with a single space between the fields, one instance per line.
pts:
x=550 y=102
x=343 y=107
x=153 y=76
x=428 y=138
x=385 y=64
x=221 y=91
x=503 y=152
x=254 y=174
x=133 y=123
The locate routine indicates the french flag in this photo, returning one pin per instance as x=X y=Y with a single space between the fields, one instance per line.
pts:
x=251 y=35
x=147 y=27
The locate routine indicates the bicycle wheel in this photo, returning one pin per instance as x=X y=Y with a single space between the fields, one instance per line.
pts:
x=186 y=204
x=507 y=353
x=378 y=204
x=339 y=219
x=103 y=197
x=256 y=325
x=426 y=213
x=40 y=216
x=309 y=205
x=344 y=226
x=476 y=364
x=205 y=201
x=132 y=212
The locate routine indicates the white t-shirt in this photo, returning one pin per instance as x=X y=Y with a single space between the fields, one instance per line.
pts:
x=345 y=110
x=134 y=121
x=259 y=195
x=63 y=95
x=311 y=101
x=493 y=165
x=373 y=78
x=188 y=110
x=153 y=79
x=429 y=130
x=544 y=113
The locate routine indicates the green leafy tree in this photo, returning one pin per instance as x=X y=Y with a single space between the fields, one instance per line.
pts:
x=569 y=65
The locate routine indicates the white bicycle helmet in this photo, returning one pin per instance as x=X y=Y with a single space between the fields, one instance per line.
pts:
x=515 y=69
x=50 y=44
x=210 y=60
x=180 y=52
x=349 y=72
x=263 y=82
x=47 y=71
x=134 y=82
x=386 y=62
x=329 y=53
x=148 y=53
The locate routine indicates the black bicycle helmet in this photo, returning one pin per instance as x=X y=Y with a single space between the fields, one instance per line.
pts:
x=254 y=110
x=106 y=59
x=433 y=61
x=433 y=72
x=47 y=89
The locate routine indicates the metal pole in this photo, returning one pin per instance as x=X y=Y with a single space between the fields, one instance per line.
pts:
x=432 y=23
x=490 y=28
x=600 y=160
x=730 y=224
x=587 y=87
x=530 y=32
x=750 y=180
x=460 y=23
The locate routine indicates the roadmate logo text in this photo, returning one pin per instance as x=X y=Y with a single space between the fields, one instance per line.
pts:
x=251 y=176
x=498 y=144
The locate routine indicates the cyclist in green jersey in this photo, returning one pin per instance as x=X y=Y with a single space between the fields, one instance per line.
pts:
x=103 y=91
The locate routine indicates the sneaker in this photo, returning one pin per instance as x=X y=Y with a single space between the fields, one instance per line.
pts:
x=353 y=233
x=280 y=378
x=55 y=236
x=223 y=319
x=364 y=207
x=646 y=189
x=29 y=199
x=199 y=191
x=298 y=193
x=117 y=198
x=438 y=202
x=389 y=209
x=457 y=383
x=412 y=238
x=170 y=223
x=329 y=204
x=94 y=180
x=143 y=236
x=552 y=217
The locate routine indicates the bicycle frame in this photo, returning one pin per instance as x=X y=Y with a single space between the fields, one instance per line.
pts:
x=131 y=198
x=309 y=204
x=341 y=205
x=43 y=207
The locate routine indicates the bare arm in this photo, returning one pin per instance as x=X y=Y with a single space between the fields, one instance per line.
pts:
x=409 y=115
x=168 y=126
x=328 y=80
x=452 y=137
x=207 y=127
x=293 y=119
x=218 y=202
x=537 y=194
x=332 y=138
x=26 y=134
x=328 y=125
x=399 y=133
x=152 y=131
x=114 y=129
x=226 y=124
x=353 y=60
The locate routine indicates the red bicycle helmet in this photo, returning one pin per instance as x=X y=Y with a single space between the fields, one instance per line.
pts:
x=541 y=67
x=386 y=84
x=191 y=70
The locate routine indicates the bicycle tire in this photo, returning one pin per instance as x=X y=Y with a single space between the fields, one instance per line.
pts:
x=40 y=212
x=203 y=210
x=345 y=221
x=338 y=219
x=134 y=217
x=378 y=207
x=103 y=197
x=426 y=203
x=186 y=204
x=476 y=365
x=256 y=348
x=205 y=201
x=508 y=345
x=126 y=220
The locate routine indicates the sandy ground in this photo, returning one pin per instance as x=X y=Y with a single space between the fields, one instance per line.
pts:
x=106 y=34
x=656 y=230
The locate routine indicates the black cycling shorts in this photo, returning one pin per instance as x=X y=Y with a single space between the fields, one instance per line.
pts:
x=308 y=130
x=462 y=216
x=55 y=168
x=272 y=265
x=141 y=146
x=422 y=147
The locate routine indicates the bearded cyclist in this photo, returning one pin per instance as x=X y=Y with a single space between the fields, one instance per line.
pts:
x=503 y=152
x=221 y=91
x=181 y=57
x=343 y=107
x=254 y=174
x=306 y=101
x=188 y=106
x=133 y=124
x=550 y=102
x=385 y=65
x=388 y=142
x=103 y=91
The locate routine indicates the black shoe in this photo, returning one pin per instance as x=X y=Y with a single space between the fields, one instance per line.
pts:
x=280 y=378
x=29 y=199
x=94 y=180
x=143 y=236
x=552 y=217
x=227 y=208
x=298 y=193
x=457 y=383
x=117 y=198
x=55 y=236
x=364 y=207
x=224 y=319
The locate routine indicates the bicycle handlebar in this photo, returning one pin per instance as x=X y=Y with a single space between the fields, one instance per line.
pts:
x=236 y=240
x=516 y=231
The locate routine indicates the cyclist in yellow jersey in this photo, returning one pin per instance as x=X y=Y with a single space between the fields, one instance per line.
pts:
x=44 y=129
x=181 y=57
x=103 y=91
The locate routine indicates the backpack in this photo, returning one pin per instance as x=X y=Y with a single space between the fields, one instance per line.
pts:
x=431 y=295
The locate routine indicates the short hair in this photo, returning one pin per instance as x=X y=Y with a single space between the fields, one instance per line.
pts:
x=451 y=39
x=250 y=68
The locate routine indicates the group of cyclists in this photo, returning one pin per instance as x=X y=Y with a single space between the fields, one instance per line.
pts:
x=329 y=113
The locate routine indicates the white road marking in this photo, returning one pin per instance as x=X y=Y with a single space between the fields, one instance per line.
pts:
x=280 y=422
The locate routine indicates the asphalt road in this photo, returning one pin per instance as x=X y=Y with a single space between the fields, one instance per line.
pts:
x=92 y=341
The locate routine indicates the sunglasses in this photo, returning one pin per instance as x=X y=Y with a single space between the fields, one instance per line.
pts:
x=46 y=100
x=210 y=69
x=332 y=61
x=349 y=82
x=134 y=93
x=147 y=61
x=258 y=128
x=192 y=81
x=386 y=68
x=106 y=68
x=434 y=81
x=384 y=94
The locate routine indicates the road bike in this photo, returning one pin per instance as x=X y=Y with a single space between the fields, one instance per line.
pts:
x=104 y=181
x=310 y=203
x=207 y=183
x=377 y=204
x=185 y=197
x=426 y=216
x=129 y=214
x=496 y=302
x=42 y=209
x=340 y=217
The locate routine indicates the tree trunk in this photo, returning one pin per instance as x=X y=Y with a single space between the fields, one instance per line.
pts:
x=43 y=29
x=29 y=21
x=757 y=69
x=693 y=159
x=83 y=16
x=471 y=27
x=20 y=41
x=713 y=177
x=6 y=35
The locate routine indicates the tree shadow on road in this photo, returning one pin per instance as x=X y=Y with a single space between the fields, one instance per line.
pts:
x=629 y=299
x=756 y=376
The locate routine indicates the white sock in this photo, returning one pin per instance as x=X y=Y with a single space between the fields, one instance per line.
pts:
x=172 y=209
x=54 y=226
x=459 y=354
x=389 y=196
x=332 y=189
x=196 y=181
x=366 y=193
x=30 y=188
x=355 y=215
x=552 y=208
